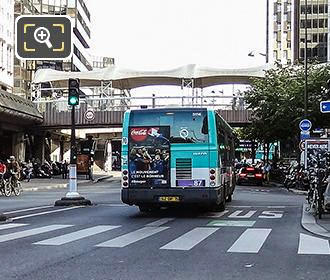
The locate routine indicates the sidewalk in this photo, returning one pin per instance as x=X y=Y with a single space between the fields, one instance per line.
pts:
x=314 y=225
x=58 y=183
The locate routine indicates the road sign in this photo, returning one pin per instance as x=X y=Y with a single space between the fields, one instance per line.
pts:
x=89 y=115
x=305 y=125
x=304 y=135
x=325 y=106
x=302 y=145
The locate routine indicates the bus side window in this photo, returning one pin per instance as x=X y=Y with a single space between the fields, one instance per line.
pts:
x=205 y=127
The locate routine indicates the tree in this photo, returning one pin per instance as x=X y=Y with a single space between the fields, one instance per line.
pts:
x=277 y=101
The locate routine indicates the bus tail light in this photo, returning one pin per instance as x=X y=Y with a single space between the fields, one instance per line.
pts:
x=212 y=178
x=125 y=179
x=258 y=175
x=242 y=175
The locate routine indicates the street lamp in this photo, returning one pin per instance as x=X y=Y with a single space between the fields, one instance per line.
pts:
x=305 y=64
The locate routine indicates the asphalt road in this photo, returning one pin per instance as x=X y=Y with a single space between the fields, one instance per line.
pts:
x=259 y=236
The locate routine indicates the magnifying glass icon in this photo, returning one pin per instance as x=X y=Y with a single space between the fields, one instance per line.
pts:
x=42 y=35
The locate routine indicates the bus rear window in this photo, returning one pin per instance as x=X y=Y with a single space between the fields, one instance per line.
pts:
x=185 y=126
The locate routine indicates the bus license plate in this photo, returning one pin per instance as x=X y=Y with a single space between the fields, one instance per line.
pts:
x=169 y=199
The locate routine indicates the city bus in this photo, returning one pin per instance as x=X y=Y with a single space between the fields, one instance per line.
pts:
x=175 y=156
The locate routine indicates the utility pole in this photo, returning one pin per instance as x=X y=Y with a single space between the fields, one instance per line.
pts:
x=267 y=31
x=305 y=65
x=73 y=197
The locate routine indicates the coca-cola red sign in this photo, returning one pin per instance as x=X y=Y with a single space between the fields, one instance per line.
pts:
x=139 y=134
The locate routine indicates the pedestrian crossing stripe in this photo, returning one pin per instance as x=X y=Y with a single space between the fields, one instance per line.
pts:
x=250 y=241
x=77 y=235
x=230 y=223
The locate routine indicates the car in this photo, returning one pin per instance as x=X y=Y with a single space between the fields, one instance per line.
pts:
x=250 y=175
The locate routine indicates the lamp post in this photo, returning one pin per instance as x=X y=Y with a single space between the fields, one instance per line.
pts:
x=305 y=65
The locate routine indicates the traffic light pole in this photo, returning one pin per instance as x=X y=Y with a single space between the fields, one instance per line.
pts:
x=73 y=190
x=73 y=197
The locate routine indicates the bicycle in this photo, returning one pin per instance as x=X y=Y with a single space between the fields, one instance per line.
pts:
x=315 y=193
x=5 y=189
x=13 y=184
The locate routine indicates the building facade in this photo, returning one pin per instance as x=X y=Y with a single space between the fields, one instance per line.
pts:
x=291 y=19
x=6 y=45
x=80 y=61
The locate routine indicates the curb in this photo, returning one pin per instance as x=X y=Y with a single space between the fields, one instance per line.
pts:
x=308 y=222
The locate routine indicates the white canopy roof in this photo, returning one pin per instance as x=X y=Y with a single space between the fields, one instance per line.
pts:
x=128 y=79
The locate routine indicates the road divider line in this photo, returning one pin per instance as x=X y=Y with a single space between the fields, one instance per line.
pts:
x=28 y=209
x=45 y=213
x=30 y=232
x=159 y=222
x=310 y=245
x=250 y=241
x=131 y=237
x=190 y=239
x=77 y=235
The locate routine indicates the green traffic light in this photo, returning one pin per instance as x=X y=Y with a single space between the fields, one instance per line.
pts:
x=73 y=100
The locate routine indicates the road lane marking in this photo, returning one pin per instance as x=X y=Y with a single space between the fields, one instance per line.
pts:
x=131 y=237
x=30 y=232
x=250 y=241
x=214 y=214
x=80 y=234
x=237 y=213
x=310 y=245
x=190 y=239
x=159 y=222
x=8 y=226
x=229 y=223
x=29 y=209
x=44 y=213
x=271 y=214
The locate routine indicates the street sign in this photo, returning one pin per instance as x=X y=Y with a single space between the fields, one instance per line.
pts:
x=325 y=106
x=89 y=115
x=302 y=145
x=304 y=135
x=305 y=125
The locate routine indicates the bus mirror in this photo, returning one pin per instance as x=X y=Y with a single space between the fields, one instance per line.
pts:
x=205 y=127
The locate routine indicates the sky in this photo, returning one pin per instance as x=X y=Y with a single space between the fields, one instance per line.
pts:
x=165 y=34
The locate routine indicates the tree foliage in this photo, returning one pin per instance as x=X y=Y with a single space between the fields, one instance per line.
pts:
x=277 y=102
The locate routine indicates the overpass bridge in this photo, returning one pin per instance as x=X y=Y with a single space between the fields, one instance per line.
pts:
x=108 y=92
x=53 y=118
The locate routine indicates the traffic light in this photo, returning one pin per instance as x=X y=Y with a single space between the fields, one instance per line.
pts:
x=73 y=99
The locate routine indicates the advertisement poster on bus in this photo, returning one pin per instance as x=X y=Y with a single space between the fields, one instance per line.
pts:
x=315 y=150
x=149 y=156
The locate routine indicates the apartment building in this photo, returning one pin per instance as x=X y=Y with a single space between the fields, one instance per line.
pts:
x=292 y=18
x=6 y=45
x=80 y=61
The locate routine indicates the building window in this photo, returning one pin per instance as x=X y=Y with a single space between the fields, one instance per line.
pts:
x=321 y=23
x=315 y=23
x=315 y=9
x=314 y=38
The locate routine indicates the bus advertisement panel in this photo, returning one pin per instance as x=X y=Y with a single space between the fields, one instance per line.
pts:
x=149 y=155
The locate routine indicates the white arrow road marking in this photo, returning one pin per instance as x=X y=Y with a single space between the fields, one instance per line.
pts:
x=250 y=241
x=190 y=239
x=80 y=234
x=313 y=245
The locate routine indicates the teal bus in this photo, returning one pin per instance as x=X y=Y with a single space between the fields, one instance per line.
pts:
x=174 y=156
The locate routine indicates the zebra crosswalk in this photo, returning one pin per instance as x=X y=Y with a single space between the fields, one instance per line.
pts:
x=250 y=240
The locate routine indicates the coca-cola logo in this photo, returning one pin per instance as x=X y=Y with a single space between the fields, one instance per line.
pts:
x=139 y=134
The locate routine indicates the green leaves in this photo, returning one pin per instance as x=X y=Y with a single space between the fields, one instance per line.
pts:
x=277 y=101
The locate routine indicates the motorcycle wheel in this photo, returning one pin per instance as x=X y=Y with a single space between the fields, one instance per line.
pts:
x=17 y=189
x=7 y=189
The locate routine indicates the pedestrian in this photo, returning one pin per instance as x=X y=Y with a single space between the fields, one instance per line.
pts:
x=64 y=170
x=267 y=169
x=3 y=168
